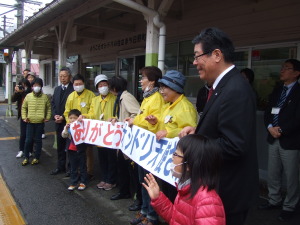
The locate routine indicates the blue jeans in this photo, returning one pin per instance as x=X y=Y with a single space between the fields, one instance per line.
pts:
x=33 y=133
x=108 y=164
x=146 y=206
x=78 y=161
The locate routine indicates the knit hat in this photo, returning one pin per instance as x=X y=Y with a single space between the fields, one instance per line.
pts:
x=100 y=78
x=37 y=81
x=174 y=80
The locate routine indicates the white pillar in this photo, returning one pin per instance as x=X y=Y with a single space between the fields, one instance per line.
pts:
x=152 y=42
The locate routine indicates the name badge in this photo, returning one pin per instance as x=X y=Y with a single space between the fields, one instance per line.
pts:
x=168 y=118
x=101 y=116
x=275 y=110
x=82 y=104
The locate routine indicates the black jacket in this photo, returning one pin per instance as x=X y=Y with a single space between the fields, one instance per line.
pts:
x=58 y=103
x=288 y=118
x=229 y=118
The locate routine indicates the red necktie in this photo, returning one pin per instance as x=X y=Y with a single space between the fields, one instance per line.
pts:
x=211 y=90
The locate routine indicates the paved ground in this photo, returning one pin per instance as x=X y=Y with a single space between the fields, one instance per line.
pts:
x=43 y=199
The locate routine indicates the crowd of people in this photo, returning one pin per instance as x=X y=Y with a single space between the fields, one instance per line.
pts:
x=216 y=158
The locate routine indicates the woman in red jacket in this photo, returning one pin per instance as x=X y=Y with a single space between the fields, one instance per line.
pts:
x=196 y=162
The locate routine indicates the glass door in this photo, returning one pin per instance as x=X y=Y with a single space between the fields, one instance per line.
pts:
x=126 y=66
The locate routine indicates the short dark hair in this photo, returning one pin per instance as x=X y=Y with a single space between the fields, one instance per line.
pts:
x=24 y=81
x=117 y=84
x=78 y=77
x=295 y=63
x=75 y=112
x=26 y=70
x=249 y=74
x=203 y=160
x=66 y=69
x=30 y=75
x=213 y=38
x=37 y=80
x=153 y=73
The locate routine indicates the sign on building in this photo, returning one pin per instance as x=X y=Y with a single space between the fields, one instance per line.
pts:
x=2 y=57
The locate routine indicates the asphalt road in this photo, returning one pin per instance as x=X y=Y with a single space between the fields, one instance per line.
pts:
x=44 y=200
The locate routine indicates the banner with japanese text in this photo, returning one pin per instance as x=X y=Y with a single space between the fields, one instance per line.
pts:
x=137 y=143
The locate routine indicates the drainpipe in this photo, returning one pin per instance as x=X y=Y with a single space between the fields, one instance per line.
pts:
x=156 y=20
x=162 y=43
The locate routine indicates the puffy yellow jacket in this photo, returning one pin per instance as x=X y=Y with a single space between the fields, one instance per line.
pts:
x=178 y=115
x=102 y=109
x=151 y=105
x=81 y=102
x=36 y=108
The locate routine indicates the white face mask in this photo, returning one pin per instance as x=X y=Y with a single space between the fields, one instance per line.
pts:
x=103 y=90
x=36 y=89
x=79 y=88
x=175 y=173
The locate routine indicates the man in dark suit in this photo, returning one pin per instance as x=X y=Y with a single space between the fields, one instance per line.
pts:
x=229 y=119
x=58 y=103
x=282 y=119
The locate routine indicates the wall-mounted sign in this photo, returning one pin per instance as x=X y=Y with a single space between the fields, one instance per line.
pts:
x=120 y=42
x=2 y=57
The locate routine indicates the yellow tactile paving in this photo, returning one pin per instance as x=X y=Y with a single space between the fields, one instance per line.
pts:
x=9 y=212
x=13 y=138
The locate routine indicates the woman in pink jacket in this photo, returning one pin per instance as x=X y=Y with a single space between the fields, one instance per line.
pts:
x=196 y=162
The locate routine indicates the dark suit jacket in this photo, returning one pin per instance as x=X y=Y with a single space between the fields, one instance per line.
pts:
x=288 y=118
x=229 y=117
x=57 y=104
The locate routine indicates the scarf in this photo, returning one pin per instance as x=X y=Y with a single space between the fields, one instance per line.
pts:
x=116 y=111
x=147 y=94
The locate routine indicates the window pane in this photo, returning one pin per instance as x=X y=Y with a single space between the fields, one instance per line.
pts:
x=91 y=73
x=241 y=59
x=185 y=65
x=171 y=56
x=47 y=71
x=127 y=72
x=108 y=69
x=266 y=64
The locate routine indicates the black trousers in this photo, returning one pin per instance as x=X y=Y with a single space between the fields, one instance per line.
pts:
x=237 y=218
x=61 y=147
x=123 y=174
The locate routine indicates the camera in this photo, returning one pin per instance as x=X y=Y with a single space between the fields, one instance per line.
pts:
x=20 y=87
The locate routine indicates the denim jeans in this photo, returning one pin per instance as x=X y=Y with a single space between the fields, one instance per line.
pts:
x=33 y=133
x=146 y=206
x=108 y=164
x=78 y=161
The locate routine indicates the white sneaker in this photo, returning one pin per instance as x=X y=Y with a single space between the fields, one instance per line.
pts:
x=20 y=154
x=43 y=136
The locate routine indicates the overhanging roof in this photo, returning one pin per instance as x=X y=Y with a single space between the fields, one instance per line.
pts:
x=45 y=16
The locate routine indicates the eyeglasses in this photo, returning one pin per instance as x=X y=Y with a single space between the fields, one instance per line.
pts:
x=175 y=154
x=286 y=68
x=197 y=56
